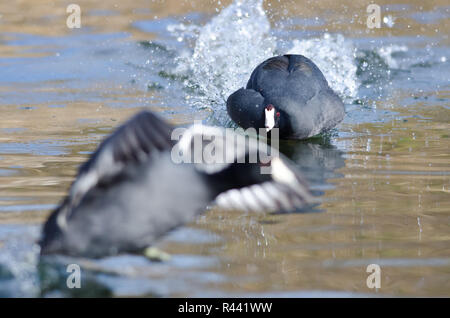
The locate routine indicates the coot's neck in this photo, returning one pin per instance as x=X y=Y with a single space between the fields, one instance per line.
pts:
x=285 y=125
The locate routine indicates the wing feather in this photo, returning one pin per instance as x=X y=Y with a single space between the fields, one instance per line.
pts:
x=285 y=189
x=133 y=142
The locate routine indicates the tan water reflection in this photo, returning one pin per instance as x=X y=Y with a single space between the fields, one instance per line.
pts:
x=390 y=207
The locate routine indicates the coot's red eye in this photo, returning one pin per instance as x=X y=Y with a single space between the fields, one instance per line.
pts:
x=278 y=114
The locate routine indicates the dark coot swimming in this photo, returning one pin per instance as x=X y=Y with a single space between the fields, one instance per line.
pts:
x=288 y=92
x=131 y=192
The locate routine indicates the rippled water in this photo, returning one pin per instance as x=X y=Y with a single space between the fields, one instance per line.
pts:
x=383 y=175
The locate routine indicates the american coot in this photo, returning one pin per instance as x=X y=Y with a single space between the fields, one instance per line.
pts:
x=288 y=92
x=131 y=192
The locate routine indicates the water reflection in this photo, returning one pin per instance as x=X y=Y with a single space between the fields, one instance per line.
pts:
x=387 y=202
x=318 y=160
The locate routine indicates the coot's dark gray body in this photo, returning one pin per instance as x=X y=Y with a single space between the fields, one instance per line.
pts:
x=130 y=192
x=111 y=220
x=304 y=103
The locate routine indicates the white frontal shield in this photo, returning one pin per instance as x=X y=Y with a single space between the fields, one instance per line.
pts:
x=270 y=119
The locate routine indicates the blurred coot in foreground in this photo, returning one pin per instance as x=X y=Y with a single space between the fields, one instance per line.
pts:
x=131 y=192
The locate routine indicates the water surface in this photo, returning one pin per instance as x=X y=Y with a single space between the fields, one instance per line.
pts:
x=383 y=175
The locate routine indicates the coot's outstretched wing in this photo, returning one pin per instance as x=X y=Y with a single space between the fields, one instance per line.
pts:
x=132 y=143
x=284 y=190
x=259 y=183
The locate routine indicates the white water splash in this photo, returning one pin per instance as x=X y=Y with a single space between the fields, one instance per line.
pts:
x=20 y=257
x=335 y=57
x=386 y=52
x=230 y=46
x=227 y=49
x=234 y=42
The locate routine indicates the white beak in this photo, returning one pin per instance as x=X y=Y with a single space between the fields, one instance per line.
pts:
x=270 y=119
